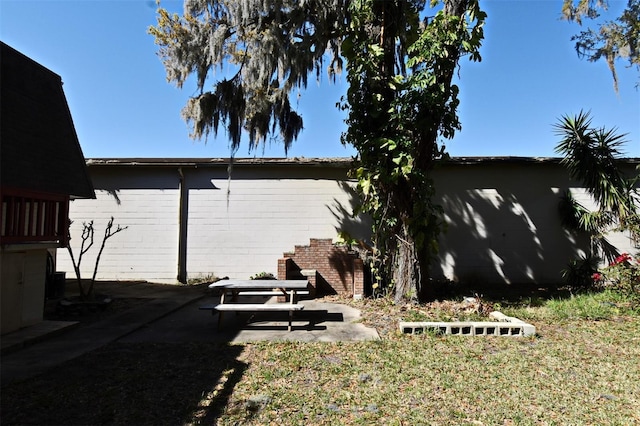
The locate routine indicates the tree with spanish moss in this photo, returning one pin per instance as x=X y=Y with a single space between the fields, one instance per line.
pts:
x=613 y=41
x=401 y=57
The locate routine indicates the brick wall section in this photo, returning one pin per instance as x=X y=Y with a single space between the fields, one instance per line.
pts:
x=358 y=278
x=284 y=265
x=337 y=270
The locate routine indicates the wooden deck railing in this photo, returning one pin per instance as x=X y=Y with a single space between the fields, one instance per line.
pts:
x=33 y=217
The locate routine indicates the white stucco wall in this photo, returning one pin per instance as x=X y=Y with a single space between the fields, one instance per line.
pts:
x=148 y=206
x=245 y=225
x=235 y=228
x=503 y=222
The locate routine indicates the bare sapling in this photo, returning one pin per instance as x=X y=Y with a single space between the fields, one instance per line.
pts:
x=88 y=231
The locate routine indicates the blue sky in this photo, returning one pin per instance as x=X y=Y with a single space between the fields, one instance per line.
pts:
x=122 y=105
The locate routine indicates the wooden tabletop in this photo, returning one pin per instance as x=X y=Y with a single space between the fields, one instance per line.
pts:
x=261 y=284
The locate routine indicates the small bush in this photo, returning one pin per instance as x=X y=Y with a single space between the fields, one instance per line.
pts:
x=622 y=275
x=200 y=279
x=263 y=276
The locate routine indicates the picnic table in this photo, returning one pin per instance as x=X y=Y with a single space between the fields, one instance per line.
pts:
x=233 y=290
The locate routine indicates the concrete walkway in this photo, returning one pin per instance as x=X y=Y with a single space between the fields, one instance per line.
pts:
x=171 y=315
x=318 y=322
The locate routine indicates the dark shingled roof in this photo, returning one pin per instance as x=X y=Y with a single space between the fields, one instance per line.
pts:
x=39 y=148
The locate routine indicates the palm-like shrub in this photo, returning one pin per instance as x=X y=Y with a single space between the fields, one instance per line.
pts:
x=592 y=155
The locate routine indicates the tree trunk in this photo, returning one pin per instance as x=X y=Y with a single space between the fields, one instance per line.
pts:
x=406 y=267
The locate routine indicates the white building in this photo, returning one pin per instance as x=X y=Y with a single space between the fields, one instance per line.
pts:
x=190 y=217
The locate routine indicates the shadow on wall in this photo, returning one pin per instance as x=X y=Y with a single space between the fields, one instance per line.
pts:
x=503 y=228
x=293 y=271
x=503 y=224
x=358 y=227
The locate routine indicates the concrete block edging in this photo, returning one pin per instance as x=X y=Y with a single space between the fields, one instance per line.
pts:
x=501 y=325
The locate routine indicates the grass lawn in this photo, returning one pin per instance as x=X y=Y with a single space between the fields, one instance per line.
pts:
x=583 y=367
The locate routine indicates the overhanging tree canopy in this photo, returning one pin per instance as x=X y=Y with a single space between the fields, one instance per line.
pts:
x=263 y=49
x=613 y=40
x=401 y=100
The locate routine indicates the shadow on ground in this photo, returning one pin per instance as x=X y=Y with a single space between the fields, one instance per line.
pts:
x=144 y=384
x=150 y=358
x=530 y=294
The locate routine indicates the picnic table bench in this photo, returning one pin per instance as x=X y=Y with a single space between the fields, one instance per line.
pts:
x=290 y=289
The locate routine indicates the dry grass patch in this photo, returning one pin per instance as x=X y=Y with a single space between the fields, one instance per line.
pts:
x=575 y=373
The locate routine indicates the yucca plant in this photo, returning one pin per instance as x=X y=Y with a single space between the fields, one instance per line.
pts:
x=579 y=272
x=592 y=155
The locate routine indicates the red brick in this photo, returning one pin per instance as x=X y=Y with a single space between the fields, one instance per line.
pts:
x=342 y=271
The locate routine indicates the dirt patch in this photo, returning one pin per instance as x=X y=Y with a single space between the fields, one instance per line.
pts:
x=54 y=311
x=123 y=295
x=383 y=315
